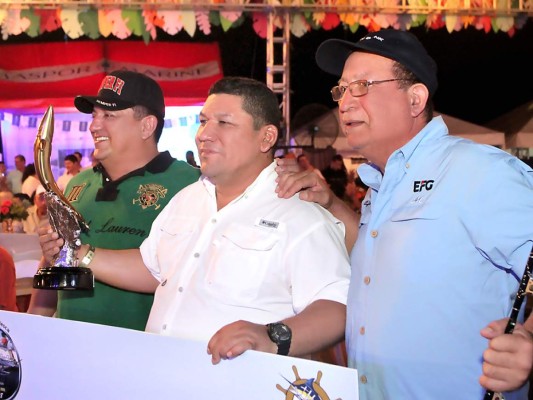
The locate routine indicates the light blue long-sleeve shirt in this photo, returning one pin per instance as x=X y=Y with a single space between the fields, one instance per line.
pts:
x=444 y=238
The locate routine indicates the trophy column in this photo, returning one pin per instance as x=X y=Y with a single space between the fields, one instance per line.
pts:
x=65 y=273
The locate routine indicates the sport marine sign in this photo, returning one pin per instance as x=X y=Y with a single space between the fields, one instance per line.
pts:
x=55 y=73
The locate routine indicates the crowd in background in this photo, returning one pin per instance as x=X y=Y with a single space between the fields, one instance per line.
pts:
x=22 y=186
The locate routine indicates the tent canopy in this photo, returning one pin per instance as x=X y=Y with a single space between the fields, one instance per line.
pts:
x=476 y=133
x=517 y=125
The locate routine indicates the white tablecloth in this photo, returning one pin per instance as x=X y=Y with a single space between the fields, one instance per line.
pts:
x=25 y=251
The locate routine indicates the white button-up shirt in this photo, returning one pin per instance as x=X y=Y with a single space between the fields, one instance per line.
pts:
x=259 y=258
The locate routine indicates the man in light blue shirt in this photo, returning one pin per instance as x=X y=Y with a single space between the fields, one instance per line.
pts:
x=444 y=234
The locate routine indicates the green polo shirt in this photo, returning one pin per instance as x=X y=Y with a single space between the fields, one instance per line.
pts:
x=120 y=214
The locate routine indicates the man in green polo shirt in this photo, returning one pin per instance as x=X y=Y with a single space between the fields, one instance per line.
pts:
x=121 y=196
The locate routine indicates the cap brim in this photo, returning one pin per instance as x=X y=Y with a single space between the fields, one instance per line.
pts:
x=86 y=104
x=332 y=54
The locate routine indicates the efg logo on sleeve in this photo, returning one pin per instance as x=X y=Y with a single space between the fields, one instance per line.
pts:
x=10 y=369
x=423 y=185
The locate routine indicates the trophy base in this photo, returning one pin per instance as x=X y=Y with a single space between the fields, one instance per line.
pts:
x=64 y=278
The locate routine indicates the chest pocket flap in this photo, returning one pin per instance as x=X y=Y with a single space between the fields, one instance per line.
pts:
x=180 y=226
x=412 y=211
x=251 y=237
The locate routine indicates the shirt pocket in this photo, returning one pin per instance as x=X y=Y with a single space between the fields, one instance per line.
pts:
x=179 y=226
x=416 y=212
x=244 y=260
x=173 y=241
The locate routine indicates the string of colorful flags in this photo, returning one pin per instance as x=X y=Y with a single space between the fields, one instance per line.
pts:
x=123 y=23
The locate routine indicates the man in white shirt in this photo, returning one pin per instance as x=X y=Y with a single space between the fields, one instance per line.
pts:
x=14 y=177
x=37 y=213
x=72 y=168
x=231 y=263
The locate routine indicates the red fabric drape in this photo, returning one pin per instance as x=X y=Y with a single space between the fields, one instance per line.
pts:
x=55 y=72
x=37 y=75
x=185 y=71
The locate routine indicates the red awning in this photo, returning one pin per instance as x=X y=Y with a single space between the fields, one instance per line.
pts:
x=34 y=76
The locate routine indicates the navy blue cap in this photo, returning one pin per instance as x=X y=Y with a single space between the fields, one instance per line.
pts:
x=400 y=46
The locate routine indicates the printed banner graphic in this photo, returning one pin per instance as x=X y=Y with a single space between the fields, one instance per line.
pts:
x=49 y=358
x=55 y=73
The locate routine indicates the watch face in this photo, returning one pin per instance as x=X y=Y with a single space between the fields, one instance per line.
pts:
x=280 y=333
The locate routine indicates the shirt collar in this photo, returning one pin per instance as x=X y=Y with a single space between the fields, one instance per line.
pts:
x=109 y=190
x=431 y=131
x=262 y=177
x=372 y=176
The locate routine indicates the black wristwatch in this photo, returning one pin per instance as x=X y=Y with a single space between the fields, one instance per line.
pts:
x=280 y=334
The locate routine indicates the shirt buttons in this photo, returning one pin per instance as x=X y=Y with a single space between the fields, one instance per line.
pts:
x=196 y=255
x=407 y=165
x=164 y=282
x=214 y=221
x=362 y=330
x=180 y=289
x=164 y=327
x=374 y=234
x=363 y=379
x=366 y=280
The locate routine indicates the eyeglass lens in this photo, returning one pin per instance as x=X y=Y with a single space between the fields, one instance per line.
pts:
x=356 y=89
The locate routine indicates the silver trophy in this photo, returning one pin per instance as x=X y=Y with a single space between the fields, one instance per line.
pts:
x=64 y=219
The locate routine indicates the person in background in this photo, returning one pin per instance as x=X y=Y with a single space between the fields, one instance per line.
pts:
x=438 y=256
x=336 y=175
x=5 y=196
x=189 y=155
x=8 y=294
x=121 y=196
x=23 y=199
x=29 y=180
x=14 y=177
x=306 y=165
x=37 y=213
x=355 y=192
x=79 y=156
x=72 y=168
x=229 y=260
x=4 y=187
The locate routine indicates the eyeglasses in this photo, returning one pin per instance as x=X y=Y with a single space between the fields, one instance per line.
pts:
x=357 y=88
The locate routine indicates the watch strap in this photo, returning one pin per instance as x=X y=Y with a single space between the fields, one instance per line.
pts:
x=86 y=260
x=283 y=345
x=283 y=348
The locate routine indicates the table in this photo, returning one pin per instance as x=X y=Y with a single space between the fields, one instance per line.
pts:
x=25 y=250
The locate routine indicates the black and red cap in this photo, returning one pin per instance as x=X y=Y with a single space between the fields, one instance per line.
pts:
x=125 y=89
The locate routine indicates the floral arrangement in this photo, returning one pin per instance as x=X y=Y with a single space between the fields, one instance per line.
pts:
x=11 y=210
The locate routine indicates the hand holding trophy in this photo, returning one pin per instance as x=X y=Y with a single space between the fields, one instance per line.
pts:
x=64 y=219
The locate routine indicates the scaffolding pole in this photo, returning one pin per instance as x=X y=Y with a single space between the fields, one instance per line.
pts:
x=278 y=66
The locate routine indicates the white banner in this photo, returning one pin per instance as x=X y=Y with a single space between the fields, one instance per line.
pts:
x=48 y=358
